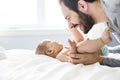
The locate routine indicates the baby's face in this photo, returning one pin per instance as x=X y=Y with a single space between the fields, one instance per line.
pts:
x=55 y=46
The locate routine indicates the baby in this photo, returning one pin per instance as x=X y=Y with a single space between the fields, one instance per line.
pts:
x=54 y=49
x=57 y=50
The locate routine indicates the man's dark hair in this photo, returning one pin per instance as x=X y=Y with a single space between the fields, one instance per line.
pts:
x=72 y=4
x=89 y=0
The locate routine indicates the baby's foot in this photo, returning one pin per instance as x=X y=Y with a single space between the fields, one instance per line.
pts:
x=73 y=47
x=106 y=36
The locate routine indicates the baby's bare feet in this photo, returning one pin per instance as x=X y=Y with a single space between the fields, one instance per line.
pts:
x=106 y=36
x=73 y=47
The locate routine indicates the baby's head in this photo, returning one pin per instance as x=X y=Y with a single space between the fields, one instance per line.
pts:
x=48 y=47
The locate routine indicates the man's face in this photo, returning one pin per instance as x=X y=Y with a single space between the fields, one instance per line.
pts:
x=71 y=16
x=83 y=21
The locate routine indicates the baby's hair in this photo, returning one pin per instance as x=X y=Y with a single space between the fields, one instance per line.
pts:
x=41 y=48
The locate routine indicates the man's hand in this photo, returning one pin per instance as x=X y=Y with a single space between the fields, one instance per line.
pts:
x=86 y=58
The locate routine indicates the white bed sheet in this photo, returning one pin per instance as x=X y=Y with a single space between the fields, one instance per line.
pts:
x=25 y=65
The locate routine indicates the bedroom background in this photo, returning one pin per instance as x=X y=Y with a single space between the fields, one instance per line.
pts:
x=23 y=23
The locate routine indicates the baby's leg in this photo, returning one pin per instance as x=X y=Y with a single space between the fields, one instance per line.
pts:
x=106 y=36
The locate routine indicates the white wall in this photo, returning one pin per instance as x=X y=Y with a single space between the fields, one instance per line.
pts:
x=28 y=39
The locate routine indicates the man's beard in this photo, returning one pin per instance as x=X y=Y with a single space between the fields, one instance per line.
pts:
x=86 y=21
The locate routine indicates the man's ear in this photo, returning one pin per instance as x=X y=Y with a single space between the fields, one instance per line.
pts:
x=82 y=6
x=49 y=52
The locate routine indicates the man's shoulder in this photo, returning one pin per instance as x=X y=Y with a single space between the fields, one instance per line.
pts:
x=113 y=5
x=111 y=9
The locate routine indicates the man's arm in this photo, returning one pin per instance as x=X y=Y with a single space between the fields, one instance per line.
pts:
x=86 y=58
x=91 y=58
x=113 y=47
x=111 y=9
x=111 y=62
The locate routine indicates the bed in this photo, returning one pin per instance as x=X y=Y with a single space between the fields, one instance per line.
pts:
x=22 y=64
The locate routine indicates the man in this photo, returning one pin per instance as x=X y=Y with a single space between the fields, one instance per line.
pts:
x=87 y=13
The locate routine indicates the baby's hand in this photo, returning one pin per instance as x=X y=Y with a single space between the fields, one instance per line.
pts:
x=73 y=47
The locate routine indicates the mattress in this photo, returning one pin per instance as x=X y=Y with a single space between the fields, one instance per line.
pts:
x=21 y=64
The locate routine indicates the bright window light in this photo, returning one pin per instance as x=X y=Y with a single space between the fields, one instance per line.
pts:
x=31 y=13
x=53 y=13
x=18 y=12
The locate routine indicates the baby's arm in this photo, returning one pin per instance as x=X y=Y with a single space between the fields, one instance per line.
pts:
x=96 y=44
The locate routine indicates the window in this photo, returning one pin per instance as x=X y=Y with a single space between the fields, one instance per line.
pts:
x=18 y=12
x=53 y=13
x=31 y=13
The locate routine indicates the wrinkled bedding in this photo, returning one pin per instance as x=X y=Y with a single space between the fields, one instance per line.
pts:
x=21 y=64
